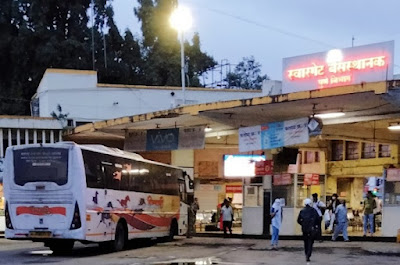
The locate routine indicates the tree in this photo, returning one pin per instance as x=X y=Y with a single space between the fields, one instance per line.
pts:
x=161 y=48
x=41 y=34
x=37 y=35
x=247 y=75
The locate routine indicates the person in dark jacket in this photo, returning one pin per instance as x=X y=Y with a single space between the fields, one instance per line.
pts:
x=308 y=219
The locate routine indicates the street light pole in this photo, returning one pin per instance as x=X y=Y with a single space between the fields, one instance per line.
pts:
x=181 y=20
x=183 y=67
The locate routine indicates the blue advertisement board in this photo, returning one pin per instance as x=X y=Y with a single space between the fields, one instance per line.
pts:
x=164 y=139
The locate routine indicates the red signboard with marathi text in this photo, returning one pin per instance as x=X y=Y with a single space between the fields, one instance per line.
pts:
x=311 y=179
x=264 y=167
x=282 y=179
x=233 y=189
x=339 y=67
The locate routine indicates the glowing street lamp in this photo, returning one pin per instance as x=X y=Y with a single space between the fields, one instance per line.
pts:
x=181 y=20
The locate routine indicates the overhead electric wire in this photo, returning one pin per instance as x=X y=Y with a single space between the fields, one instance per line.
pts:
x=282 y=31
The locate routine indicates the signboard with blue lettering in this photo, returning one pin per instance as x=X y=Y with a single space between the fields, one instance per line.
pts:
x=274 y=135
x=164 y=139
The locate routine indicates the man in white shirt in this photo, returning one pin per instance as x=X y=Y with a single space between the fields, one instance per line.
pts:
x=320 y=207
x=227 y=213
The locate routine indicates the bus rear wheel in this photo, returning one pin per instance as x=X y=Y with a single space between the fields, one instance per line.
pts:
x=61 y=247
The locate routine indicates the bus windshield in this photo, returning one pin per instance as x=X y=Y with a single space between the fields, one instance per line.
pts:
x=41 y=164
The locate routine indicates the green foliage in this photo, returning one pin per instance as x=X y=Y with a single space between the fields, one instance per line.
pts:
x=162 y=48
x=41 y=34
x=247 y=75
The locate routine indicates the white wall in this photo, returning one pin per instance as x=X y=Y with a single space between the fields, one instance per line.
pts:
x=288 y=222
x=390 y=220
x=252 y=220
x=84 y=99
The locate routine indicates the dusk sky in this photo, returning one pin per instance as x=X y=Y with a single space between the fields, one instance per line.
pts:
x=272 y=30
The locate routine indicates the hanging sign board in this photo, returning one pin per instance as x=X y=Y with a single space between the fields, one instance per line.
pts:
x=250 y=138
x=165 y=139
x=273 y=135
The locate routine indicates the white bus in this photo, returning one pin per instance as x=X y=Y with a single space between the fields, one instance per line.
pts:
x=61 y=193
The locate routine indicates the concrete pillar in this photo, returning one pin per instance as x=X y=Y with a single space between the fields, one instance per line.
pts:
x=26 y=136
x=43 y=136
x=9 y=138
x=18 y=137
x=51 y=136
x=35 y=136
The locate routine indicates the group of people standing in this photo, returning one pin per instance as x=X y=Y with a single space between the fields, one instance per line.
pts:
x=311 y=216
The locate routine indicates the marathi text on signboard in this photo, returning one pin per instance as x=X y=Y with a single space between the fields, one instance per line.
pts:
x=264 y=167
x=192 y=138
x=233 y=189
x=311 y=179
x=135 y=140
x=368 y=63
x=250 y=138
x=282 y=179
x=274 y=134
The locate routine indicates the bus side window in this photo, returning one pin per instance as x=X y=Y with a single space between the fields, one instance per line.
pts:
x=146 y=174
x=134 y=178
x=126 y=168
x=94 y=176
x=112 y=174
x=156 y=172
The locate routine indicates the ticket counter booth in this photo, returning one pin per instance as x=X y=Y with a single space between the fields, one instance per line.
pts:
x=293 y=189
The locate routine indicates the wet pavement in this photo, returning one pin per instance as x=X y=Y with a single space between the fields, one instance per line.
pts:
x=206 y=251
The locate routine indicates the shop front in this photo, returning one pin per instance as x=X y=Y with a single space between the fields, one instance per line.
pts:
x=221 y=174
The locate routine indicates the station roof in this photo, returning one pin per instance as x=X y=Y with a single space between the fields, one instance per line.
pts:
x=368 y=106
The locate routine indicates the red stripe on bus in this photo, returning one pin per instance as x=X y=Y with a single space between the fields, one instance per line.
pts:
x=45 y=210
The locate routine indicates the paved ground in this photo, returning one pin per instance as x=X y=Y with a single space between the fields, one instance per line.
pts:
x=206 y=251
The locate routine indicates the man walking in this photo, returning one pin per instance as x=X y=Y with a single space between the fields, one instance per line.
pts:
x=342 y=221
x=369 y=206
x=309 y=220
x=320 y=207
x=227 y=213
